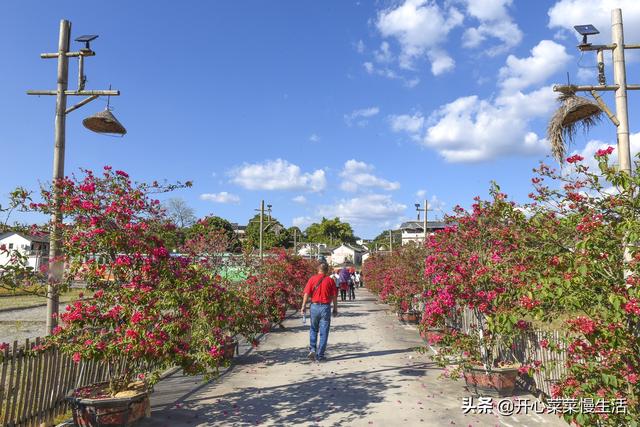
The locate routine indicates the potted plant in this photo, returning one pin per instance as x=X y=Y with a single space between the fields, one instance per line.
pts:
x=148 y=309
x=476 y=272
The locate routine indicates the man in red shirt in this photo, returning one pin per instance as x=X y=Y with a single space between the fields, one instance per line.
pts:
x=321 y=290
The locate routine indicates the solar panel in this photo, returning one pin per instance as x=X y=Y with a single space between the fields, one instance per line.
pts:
x=87 y=38
x=586 y=30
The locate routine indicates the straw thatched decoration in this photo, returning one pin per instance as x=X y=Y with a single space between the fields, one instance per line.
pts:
x=574 y=112
x=104 y=122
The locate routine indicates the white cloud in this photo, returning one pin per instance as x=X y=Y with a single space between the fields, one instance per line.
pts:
x=277 y=175
x=495 y=22
x=370 y=209
x=369 y=67
x=360 y=46
x=567 y=13
x=420 y=27
x=589 y=151
x=314 y=138
x=471 y=129
x=360 y=116
x=221 y=197
x=300 y=199
x=547 y=58
x=390 y=74
x=421 y=193
x=302 y=221
x=383 y=54
x=407 y=123
x=358 y=175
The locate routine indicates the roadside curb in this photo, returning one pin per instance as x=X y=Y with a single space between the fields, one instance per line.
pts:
x=26 y=307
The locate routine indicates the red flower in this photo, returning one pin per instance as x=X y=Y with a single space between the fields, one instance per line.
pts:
x=575 y=158
x=604 y=152
x=76 y=357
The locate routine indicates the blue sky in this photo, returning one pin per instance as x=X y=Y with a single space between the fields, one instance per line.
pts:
x=342 y=108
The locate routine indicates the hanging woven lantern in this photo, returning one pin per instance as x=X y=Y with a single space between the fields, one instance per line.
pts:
x=104 y=122
x=574 y=112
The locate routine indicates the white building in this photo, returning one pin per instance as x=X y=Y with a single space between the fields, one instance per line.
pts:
x=413 y=231
x=347 y=253
x=313 y=250
x=36 y=248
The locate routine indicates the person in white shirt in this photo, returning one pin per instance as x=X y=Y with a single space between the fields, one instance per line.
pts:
x=356 y=279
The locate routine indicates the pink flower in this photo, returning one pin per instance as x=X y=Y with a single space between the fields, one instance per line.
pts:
x=524 y=369
x=604 y=152
x=122 y=173
x=632 y=306
x=544 y=343
x=76 y=357
x=4 y=346
x=137 y=317
x=575 y=158
x=215 y=352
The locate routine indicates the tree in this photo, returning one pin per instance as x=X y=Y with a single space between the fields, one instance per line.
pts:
x=382 y=239
x=180 y=213
x=294 y=231
x=274 y=236
x=208 y=224
x=330 y=231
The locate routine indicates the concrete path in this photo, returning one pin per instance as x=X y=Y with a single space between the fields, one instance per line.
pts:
x=372 y=377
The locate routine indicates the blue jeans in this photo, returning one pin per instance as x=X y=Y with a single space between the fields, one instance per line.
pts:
x=320 y=319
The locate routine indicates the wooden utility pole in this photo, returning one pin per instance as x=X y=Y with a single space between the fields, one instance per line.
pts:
x=424 y=223
x=261 y=227
x=295 y=232
x=56 y=265
x=424 y=227
x=620 y=87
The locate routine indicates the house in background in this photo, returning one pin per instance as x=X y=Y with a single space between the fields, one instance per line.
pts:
x=413 y=231
x=348 y=253
x=239 y=230
x=35 y=248
x=314 y=250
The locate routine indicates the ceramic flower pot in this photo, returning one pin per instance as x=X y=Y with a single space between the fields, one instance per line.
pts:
x=409 y=317
x=230 y=349
x=122 y=410
x=500 y=382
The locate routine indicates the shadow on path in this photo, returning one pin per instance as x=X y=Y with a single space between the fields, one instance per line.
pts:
x=347 y=395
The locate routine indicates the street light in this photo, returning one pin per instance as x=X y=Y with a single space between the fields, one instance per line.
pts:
x=62 y=55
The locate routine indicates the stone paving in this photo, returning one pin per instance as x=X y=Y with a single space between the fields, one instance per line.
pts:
x=373 y=377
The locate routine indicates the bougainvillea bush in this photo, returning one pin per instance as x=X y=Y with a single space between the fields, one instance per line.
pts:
x=278 y=284
x=475 y=265
x=569 y=258
x=587 y=269
x=397 y=277
x=143 y=304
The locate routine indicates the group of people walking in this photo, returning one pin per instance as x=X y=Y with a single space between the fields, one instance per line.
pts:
x=347 y=280
x=322 y=291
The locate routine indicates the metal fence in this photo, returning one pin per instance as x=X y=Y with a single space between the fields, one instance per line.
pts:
x=33 y=384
